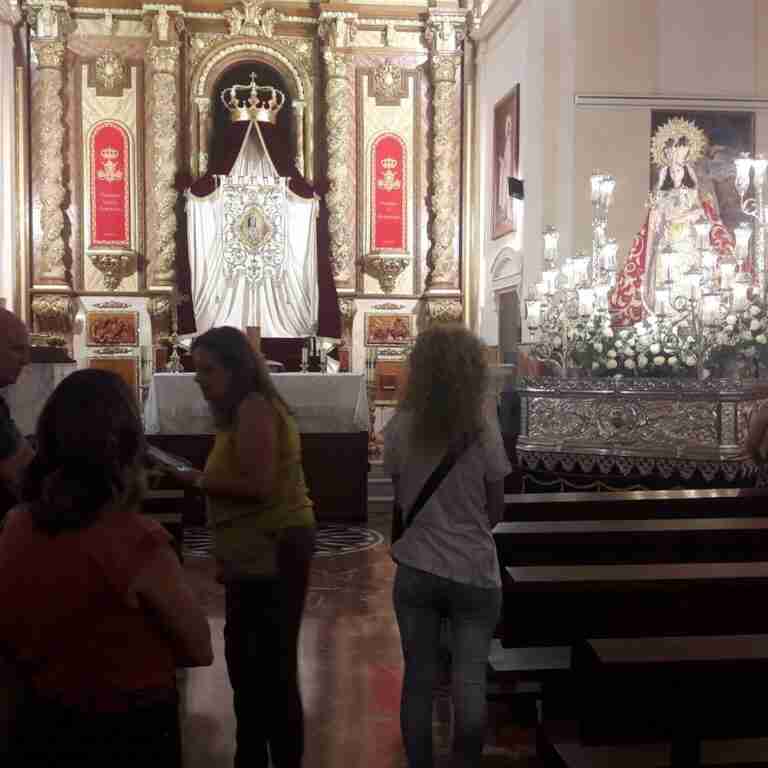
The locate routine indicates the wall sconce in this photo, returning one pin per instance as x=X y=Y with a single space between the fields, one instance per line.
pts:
x=515 y=187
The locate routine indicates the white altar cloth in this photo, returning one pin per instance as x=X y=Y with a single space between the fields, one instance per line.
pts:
x=31 y=391
x=320 y=403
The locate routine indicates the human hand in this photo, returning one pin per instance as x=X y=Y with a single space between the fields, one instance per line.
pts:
x=188 y=478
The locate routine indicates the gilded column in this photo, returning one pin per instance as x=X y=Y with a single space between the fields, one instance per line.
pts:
x=298 y=122
x=340 y=201
x=50 y=111
x=164 y=59
x=203 y=111
x=443 y=260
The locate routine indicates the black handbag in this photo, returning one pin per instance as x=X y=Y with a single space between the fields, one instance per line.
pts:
x=401 y=521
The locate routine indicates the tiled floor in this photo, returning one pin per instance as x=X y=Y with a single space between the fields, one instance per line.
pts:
x=350 y=668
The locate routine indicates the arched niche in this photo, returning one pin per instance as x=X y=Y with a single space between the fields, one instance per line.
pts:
x=506 y=274
x=258 y=53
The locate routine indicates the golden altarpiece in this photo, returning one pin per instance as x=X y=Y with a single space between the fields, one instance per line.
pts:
x=117 y=108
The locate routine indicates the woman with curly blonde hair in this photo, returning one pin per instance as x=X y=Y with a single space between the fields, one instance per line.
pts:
x=447 y=568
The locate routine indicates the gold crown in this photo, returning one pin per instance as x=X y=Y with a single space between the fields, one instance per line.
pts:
x=263 y=102
x=678 y=140
x=389 y=163
x=110 y=153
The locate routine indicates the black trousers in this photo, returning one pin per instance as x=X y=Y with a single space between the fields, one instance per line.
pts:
x=261 y=637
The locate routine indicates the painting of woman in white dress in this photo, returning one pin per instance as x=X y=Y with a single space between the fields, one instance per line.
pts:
x=505 y=162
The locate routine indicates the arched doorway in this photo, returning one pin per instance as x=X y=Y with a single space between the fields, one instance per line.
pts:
x=240 y=74
x=510 y=332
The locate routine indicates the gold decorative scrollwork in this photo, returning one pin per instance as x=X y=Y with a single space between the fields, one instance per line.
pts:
x=389 y=84
x=444 y=310
x=253 y=21
x=386 y=269
x=347 y=309
x=58 y=309
x=158 y=306
x=114 y=267
x=110 y=70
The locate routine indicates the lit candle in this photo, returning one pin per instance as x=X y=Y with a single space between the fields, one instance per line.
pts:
x=608 y=255
x=304 y=355
x=743 y=167
x=586 y=301
x=727 y=272
x=662 y=301
x=533 y=312
x=710 y=309
x=743 y=233
x=740 y=298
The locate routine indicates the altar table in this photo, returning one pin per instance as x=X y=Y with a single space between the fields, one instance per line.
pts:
x=331 y=411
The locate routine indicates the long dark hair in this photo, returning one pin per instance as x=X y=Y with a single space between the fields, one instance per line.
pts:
x=90 y=443
x=232 y=350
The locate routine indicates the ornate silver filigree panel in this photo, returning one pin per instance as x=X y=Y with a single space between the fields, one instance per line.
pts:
x=254 y=232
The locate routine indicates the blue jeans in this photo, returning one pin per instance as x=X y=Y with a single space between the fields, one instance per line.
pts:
x=421 y=601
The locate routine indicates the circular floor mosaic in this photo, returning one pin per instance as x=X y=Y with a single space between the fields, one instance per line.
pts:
x=333 y=539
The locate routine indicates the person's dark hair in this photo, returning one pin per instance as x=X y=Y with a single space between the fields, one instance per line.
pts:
x=232 y=350
x=90 y=447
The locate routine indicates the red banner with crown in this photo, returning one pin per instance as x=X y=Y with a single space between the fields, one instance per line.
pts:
x=110 y=186
x=388 y=197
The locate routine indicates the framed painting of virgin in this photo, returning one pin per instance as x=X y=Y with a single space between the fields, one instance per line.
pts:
x=504 y=162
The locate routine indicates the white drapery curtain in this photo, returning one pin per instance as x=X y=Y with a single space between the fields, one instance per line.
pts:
x=9 y=17
x=282 y=308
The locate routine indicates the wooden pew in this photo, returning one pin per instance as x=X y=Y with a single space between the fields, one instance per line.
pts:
x=637 y=505
x=561 y=605
x=680 y=540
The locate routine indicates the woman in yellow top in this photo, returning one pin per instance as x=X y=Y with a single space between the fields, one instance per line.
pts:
x=264 y=537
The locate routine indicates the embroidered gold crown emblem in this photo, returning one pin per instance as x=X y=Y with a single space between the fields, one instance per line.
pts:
x=263 y=102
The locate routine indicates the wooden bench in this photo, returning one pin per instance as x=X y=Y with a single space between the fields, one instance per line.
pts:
x=681 y=689
x=680 y=540
x=637 y=505
x=560 y=605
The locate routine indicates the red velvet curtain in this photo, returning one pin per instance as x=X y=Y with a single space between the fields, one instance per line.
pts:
x=224 y=152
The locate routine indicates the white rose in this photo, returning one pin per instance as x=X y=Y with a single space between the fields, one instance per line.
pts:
x=655 y=348
x=595 y=366
x=754 y=310
x=630 y=364
x=608 y=333
x=755 y=325
x=558 y=342
x=761 y=339
x=618 y=344
x=672 y=361
x=731 y=319
x=611 y=364
x=659 y=360
x=642 y=361
x=631 y=342
x=690 y=361
x=611 y=353
x=628 y=352
x=623 y=334
x=598 y=347
x=643 y=340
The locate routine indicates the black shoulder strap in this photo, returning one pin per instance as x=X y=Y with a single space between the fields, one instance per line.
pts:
x=437 y=477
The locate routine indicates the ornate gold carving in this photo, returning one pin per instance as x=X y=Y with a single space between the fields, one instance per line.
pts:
x=445 y=31
x=164 y=128
x=50 y=54
x=337 y=28
x=386 y=269
x=444 y=310
x=158 y=306
x=298 y=126
x=388 y=306
x=50 y=19
x=338 y=96
x=390 y=35
x=114 y=267
x=201 y=43
x=49 y=102
x=347 y=309
x=110 y=70
x=443 y=260
x=253 y=20
x=389 y=84
x=58 y=309
x=112 y=304
x=304 y=52
x=164 y=59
